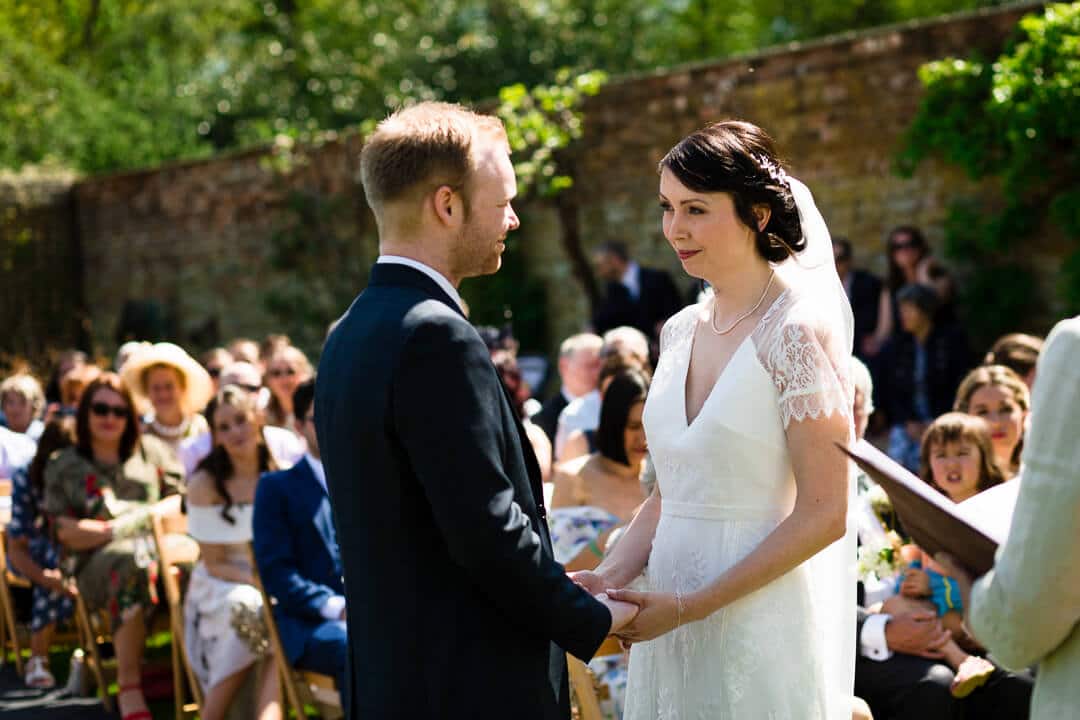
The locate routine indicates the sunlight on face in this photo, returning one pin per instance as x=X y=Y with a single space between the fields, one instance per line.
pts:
x=233 y=429
x=634 y=435
x=955 y=467
x=1003 y=414
x=703 y=229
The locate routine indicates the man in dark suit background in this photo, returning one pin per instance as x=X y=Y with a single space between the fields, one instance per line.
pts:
x=297 y=552
x=579 y=371
x=863 y=290
x=457 y=608
x=636 y=296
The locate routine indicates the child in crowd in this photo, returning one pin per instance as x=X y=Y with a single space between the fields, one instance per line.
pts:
x=1001 y=398
x=957 y=459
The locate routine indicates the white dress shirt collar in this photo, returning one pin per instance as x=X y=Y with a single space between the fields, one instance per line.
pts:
x=431 y=272
x=317 y=468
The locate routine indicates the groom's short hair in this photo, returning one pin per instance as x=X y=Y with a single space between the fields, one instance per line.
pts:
x=420 y=148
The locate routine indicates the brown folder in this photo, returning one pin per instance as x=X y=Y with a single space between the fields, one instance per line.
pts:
x=934 y=521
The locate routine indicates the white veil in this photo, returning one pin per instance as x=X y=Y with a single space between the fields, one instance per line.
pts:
x=812 y=273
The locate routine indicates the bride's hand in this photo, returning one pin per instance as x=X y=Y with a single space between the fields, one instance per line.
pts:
x=658 y=613
x=589 y=581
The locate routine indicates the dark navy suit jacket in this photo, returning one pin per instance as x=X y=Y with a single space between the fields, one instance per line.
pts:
x=457 y=608
x=297 y=552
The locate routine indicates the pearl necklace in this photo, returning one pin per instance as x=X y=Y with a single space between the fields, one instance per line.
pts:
x=171 y=431
x=748 y=313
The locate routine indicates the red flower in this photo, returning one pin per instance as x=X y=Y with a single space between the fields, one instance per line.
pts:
x=92 y=489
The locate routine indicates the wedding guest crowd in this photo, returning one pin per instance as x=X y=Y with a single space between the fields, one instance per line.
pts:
x=95 y=453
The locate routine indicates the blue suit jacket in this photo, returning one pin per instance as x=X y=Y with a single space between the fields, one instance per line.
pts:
x=297 y=552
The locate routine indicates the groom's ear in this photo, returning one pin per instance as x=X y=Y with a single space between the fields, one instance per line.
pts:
x=447 y=205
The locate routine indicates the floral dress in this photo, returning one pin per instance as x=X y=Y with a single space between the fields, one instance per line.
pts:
x=122 y=573
x=28 y=521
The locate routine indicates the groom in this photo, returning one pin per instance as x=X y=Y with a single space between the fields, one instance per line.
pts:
x=456 y=607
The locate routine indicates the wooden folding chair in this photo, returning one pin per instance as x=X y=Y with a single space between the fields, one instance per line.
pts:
x=300 y=685
x=583 y=689
x=9 y=630
x=171 y=573
x=91 y=635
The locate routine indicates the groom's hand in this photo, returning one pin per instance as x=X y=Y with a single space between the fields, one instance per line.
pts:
x=621 y=612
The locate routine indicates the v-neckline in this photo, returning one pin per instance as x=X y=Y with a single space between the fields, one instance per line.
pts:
x=688 y=423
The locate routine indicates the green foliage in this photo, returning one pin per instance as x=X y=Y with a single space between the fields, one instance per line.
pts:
x=1013 y=120
x=112 y=84
x=541 y=122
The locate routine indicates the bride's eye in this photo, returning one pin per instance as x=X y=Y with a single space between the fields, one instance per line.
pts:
x=665 y=206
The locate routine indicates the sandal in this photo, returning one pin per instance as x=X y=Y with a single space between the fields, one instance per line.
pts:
x=138 y=714
x=38 y=675
x=972 y=674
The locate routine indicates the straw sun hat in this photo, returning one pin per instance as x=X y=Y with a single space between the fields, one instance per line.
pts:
x=198 y=388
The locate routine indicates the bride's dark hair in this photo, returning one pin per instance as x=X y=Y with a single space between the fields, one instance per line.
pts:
x=739 y=158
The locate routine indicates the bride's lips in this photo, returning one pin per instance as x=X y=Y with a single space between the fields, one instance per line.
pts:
x=687 y=254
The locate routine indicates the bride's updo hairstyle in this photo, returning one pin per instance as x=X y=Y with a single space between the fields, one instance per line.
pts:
x=739 y=158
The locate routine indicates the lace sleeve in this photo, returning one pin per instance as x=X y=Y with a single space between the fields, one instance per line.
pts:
x=810 y=372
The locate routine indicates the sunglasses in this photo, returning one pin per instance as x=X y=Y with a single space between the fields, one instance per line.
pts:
x=102 y=409
x=902 y=245
x=282 y=372
x=213 y=372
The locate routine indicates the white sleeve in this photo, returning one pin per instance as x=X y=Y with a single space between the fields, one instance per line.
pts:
x=872 y=643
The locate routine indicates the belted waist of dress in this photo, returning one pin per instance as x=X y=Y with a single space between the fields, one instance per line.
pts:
x=702 y=511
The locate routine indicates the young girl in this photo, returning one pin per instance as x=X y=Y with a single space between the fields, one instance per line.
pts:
x=957 y=459
x=998 y=395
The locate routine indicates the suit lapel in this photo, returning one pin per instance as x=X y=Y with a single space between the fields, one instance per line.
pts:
x=321 y=516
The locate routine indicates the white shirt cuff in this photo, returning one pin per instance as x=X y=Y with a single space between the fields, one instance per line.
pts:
x=333 y=607
x=872 y=642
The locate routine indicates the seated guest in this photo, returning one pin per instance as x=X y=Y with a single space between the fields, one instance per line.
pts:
x=285 y=370
x=921 y=369
x=599 y=492
x=246 y=350
x=297 y=552
x=99 y=496
x=34 y=554
x=1019 y=353
x=285 y=446
x=1001 y=398
x=214 y=361
x=67 y=361
x=583 y=442
x=583 y=413
x=176 y=386
x=72 y=385
x=223 y=626
x=506 y=364
x=579 y=369
x=21 y=403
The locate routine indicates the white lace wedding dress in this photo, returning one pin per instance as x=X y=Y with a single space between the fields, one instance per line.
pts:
x=787 y=650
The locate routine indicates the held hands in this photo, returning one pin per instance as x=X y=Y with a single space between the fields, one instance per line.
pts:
x=658 y=613
x=622 y=613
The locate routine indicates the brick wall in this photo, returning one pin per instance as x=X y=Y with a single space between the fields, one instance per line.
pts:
x=204 y=239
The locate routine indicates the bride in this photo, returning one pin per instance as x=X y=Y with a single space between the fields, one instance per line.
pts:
x=749 y=562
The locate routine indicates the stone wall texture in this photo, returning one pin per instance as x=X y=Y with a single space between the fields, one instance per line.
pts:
x=207 y=242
